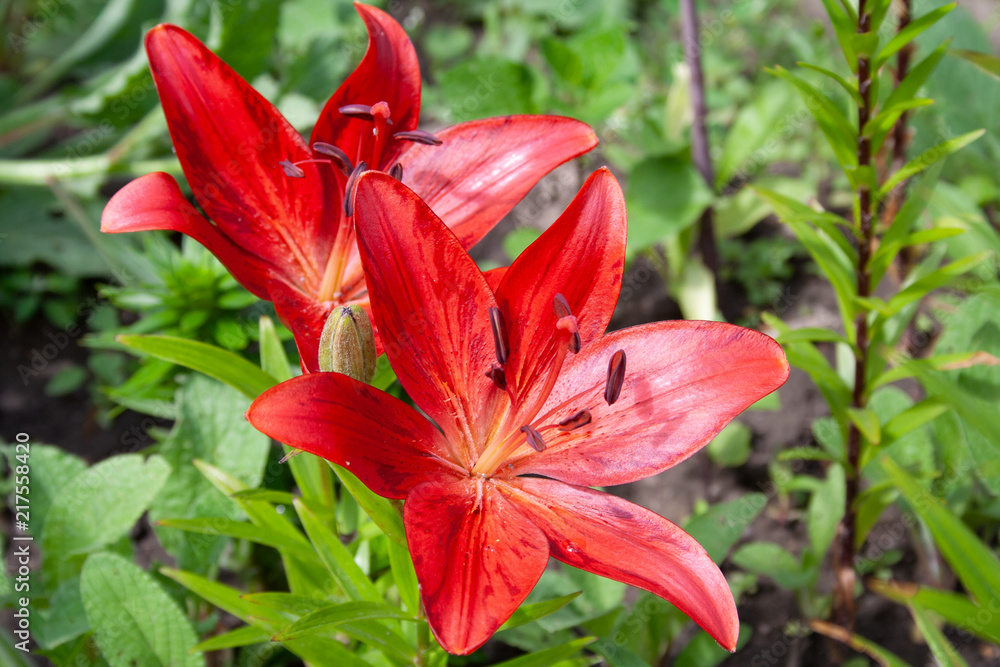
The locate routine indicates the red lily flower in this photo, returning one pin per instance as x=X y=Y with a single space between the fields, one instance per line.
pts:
x=278 y=204
x=531 y=404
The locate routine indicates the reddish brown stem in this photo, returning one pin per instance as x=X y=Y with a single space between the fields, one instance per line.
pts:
x=699 y=131
x=844 y=551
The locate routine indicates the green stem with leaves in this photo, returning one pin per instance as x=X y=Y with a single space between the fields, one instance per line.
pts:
x=844 y=573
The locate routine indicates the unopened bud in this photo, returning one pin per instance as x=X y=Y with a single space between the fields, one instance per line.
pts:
x=348 y=344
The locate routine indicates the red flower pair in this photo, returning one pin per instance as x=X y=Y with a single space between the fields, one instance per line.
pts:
x=531 y=404
x=529 y=401
x=282 y=224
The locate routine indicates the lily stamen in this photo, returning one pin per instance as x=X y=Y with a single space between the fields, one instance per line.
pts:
x=498 y=377
x=334 y=272
x=419 y=137
x=534 y=438
x=396 y=171
x=349 y=189
x=573 y=422
x=616 y=377
x=337 y=156
x=500 y=341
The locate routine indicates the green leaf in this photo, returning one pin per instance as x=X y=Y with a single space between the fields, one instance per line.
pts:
x=906 y=35
x=942 y=649
x=381 y=511
x=404 y=575
x=755 y=134
x=926 y=159
x=826 y=509
x=532 y=612
x=335 y=556
x=665 y=195
x=850 y=87
x=135 y=622
x=244 y=636
x=956 y=608
x=52 y=469
x=867 y=422
x=242 y=530
x=731 y=447
x=213 y=361
x=908 y=88
x=719 y=527
x=845 y=24
x=349 y=612
x=882 y=656
x=913 y=418
x=804 y=454
x=770 y=560
x=518 y=239
x=878 y=128
x=811 y=334
x=210 y=426
x=942 y=277
x=488 y=86
x=987 y=62
x=550 y=656
x=832 y=121
x=273 y=359
x=703 y=651
x=828 y=247
x=976 y=566
x=224 y=597
x=100 y=505
x=247 y=35
x=892 y=242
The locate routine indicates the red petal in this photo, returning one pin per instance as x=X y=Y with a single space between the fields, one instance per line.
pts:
x=389 y=72
x=431 y=304
x=385 y=442
x=229 y=141
x=475 y=566
x=581 y=256
x=495 y=276
x=154 y=201
x=485 y=167
x=611 y=537
x=684 y=381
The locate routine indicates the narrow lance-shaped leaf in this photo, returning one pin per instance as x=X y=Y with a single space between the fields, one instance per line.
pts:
x=907 y=34
x=927 y=158
x=976 y=566
x=213 y=361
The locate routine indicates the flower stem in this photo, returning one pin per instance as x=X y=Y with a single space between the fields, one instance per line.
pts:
x=423 y=637
x=699 y=133
x=39 y=172
x=900 y=144
x=843 y=557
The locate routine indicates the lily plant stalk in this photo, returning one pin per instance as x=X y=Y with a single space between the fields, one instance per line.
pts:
x=280 y=220
x=525 y=402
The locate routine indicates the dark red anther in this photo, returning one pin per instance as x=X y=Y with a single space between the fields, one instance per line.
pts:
x=579 y=420
x=561 y=307
x=363 y=111
x=534 y=438
x=498 y=377
x=337 y=156
x=500 y=340
x=616 y=377
x=349 y=189
x=419 y=136
x=396 y=171
x=291 y=170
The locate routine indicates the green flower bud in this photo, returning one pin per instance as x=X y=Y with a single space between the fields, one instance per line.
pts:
x=348 y=344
